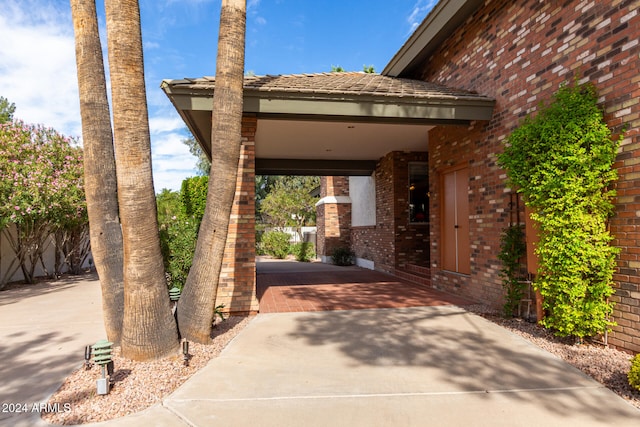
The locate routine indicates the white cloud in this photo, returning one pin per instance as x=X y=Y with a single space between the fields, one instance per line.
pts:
x=37 y=64
x=172 y=161
x=158 y=125
x=419 y=12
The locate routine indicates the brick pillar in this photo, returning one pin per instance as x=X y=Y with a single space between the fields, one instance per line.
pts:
x=237 y=288
x=333 y=216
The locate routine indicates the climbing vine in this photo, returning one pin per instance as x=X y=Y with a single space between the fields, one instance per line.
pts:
x=512 y=249
x=561 y=161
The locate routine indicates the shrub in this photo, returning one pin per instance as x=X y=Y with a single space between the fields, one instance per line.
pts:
x=303 y=251
x=561 y=161
x=276 y=244
x=343 y=256
x=193 y=195
x=178 y=244
x=634 y=372
x=259 y=245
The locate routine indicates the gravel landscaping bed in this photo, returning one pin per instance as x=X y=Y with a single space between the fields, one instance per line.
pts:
x=139 y=385
x=136 y=385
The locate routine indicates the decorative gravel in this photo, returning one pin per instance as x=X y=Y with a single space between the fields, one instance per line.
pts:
x=136 y=385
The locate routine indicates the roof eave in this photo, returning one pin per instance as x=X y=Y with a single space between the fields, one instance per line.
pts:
x=347 y=107
x=443 y=19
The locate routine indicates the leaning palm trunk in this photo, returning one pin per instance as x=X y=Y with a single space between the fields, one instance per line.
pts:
x=148 y=327
x=99 y=166
x=197 y=303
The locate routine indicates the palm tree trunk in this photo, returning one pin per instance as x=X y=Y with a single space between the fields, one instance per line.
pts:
x=197 y=303
x=99 y=166
x=148 y=327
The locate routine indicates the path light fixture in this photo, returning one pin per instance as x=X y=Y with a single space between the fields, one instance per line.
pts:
x=87 y=357
x=185 y=352
x=102 y=357
x=174 y=296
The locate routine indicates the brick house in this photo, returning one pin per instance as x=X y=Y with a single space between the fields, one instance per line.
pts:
x=408 y=157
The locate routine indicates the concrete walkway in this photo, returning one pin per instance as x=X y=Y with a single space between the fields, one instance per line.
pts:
x=412 y=366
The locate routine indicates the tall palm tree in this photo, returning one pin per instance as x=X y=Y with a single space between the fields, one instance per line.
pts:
x=99 y=165
x=197 y=303
x=148 y=328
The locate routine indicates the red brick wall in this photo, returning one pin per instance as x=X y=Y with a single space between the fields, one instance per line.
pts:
x=393 y=242
x=411 y=240
x=519 y=53
x=237 y=288
x=377 y=243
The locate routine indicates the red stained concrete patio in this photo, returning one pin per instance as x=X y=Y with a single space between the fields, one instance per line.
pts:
x=285 y=286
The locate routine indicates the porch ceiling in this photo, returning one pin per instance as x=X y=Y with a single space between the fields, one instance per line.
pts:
x=331 y=123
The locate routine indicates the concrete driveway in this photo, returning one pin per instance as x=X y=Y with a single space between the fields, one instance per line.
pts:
x=420 y=366
x=413 y=366
x=44 y=329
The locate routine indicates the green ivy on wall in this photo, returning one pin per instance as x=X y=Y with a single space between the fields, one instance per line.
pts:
x=561 y=161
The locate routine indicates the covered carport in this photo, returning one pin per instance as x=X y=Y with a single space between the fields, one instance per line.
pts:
x=331 y=123
x=328 y=124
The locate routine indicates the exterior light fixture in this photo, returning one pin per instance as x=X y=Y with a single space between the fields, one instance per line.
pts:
x=102 y=357
x=174 y=296
x=185 y=352
x=87 y=357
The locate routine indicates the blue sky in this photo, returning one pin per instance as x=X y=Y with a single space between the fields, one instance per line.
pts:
x=37 y=57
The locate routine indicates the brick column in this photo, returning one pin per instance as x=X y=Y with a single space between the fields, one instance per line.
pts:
x=237 y=288
x=333 y=216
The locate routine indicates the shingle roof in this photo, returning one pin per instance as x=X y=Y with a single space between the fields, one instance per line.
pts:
x=337 y=83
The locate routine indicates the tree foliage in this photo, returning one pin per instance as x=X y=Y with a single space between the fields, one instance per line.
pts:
x=368 y=69
x=203 y=164
x=168 y=205
x=6 y=110
x=289 y=202
x=179 y=217
x=193 y=196
x=561 y=161
x=41 y=192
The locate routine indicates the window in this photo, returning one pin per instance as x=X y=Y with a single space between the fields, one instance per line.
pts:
x=418 y=192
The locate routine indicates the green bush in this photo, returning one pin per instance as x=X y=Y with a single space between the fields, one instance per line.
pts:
x=343 y=256
x=275 y=244
x=303 y=251
x=179 y=217
x=193 y=195
x=178 y=244
x=561 y=161
x=634 y=372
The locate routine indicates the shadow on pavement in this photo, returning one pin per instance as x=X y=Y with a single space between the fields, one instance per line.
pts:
x=457 y=352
